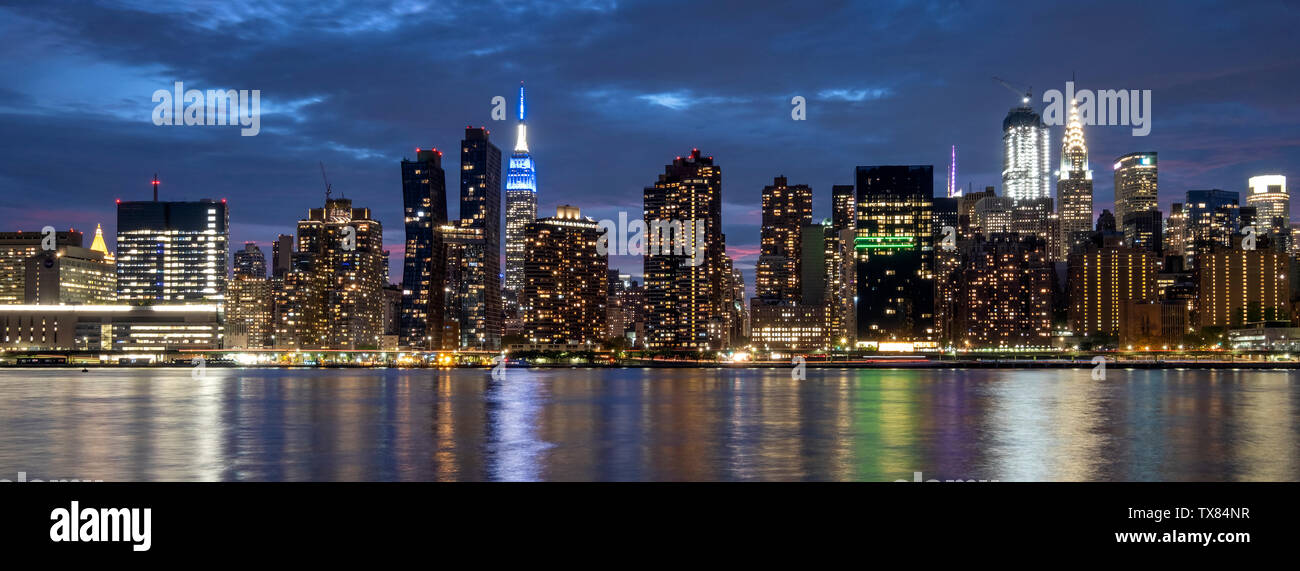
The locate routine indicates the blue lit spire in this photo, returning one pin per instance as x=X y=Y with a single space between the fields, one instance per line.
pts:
x=521 y=143
x=522 y=173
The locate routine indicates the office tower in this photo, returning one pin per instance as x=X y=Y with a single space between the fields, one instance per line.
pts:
x=1175 y=230
x=787 y=211
x=633 y=301
x=1236 y=287
x=895 y=253
x=683 y=280
x=70 y=276
x=15 y=249
x=1144 y=230
x=947 y=262
x=566 y=281
x=282 y=255
x=1037 y=217
x=480 y=208
x=1213 y=216
x=1026 y=150
x=1135 y=184
x=172 y=252
x=250 y=312
x=843 y=213
x=521 y=203
x=995 y=214
x=346 y=253
x=1102 y=280
x=424 y=268
x=1003 y=293
x=250 y=262
x=1272 y=204
x=1073 y=184
x=968 y=223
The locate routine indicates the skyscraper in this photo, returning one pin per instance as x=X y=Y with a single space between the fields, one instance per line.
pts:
x=895 y=253
x=1102 y=281
x=1026 y=148
x=172 y=252
x=282 y=255
x=1213 y=216
x=480 y=208
x=1135 y=184
x=249 y=312
x=250 y=262
x=345 y=251
x=15 y=249
x=1176 y=230
x=521 y=203
x=566 y=285
x=787 y=211
x=424 y=200
x=1272 y=204
x=1073 y=184
x=684 y=286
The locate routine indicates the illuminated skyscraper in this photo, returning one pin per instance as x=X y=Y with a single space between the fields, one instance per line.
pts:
x=424 y=199
x=480 y=209
x=1102 y=281
x=521 y=203
x=250 y=262
x=1176 y=230
x=345 y=252
x=787 y=210
x=1003 y=292
x=1073 y=184
x=684 y=292
x=15 y=249
x=1213 y=216
x=1272 y=204
x=1026 y=150
x=566 y=281
x=172 y=252
x=895 y=253
x=1135 y=185
x=249 y=312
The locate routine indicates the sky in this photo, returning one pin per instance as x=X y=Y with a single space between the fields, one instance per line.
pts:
x=616 y=90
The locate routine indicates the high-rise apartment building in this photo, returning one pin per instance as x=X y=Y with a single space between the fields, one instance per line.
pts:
x=1236 y=286
x=1213 y=216
x=787 y=211
x=1003 y=293
x=480 y=208
x=250 y=312
x=345 y=251
x=424 y=269
x=249 y=262
x=566 y=281
x=684 y=285
x=1102 y=280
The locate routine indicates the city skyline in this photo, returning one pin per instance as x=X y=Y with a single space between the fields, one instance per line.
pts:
x=1208 y=134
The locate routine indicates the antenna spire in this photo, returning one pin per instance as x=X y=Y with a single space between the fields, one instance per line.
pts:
x=155 y=187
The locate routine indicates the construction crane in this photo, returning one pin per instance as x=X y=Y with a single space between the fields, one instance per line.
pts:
x=1026 y=93
x=327 y=181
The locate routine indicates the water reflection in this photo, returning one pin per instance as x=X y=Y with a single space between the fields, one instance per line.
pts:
x=632 y=424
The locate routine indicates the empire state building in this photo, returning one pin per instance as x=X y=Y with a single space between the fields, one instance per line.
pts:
x=521 y=206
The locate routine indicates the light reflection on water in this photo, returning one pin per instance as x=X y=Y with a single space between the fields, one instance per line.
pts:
x=659 y=424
